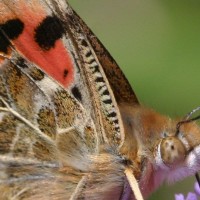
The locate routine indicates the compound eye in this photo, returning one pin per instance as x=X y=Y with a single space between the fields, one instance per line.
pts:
x=172 y=151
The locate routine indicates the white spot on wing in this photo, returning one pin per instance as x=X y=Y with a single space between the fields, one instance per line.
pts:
x=48 y=85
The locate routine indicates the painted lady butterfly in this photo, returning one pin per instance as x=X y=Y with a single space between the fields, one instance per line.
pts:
x=70 y=125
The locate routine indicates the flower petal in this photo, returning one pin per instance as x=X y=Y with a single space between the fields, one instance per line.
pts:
x=197 y=188
x=179 y=197
x=191 y=196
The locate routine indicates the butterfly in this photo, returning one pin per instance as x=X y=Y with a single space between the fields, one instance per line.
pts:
x=71 y=126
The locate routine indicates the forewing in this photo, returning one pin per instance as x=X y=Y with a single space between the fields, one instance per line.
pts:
x=49 y=34
x=44 y=131
x=57 y=105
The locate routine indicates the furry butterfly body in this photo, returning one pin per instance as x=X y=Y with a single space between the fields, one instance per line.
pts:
x=70 y=123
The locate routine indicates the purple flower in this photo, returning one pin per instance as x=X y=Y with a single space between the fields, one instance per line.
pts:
x=191 y=195
x=179 y=197
x=197 y=188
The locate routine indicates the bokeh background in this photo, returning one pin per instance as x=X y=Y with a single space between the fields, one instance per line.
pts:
x=157 y=45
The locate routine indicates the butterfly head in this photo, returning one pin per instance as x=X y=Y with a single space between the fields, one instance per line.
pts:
x=178 y=152
x=166 y=149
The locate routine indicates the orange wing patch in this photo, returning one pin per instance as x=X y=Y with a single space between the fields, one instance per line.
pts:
x=38 y=38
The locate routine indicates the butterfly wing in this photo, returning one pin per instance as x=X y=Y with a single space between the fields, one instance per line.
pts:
x=57 y=105
x=106 y=76
x=40 y=129
x=58 y=39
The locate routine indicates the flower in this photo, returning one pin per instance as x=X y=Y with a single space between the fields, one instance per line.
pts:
x=179 y=197
x=191 y=195
x=197 y=188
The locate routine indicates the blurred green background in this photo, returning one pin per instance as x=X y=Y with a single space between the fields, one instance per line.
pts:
x=157 y=45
